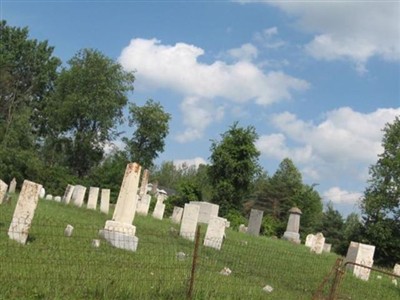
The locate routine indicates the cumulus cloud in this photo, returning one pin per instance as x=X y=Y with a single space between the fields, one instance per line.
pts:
x=247 y=52
x=176 y=67
x=180 y=163
x=348 y=30
x=339 y=196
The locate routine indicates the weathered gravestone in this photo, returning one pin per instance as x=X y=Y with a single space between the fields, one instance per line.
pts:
x=143 y=205
x=49 y=197
x=242 y=228
x=318 y=244
x=93 y=196
x=396 y=269
x=68 y=193
x=327 y=247
x=177 y=215
x=361 y=254
x=206 y=210
x=189 y=221
x=215 y=233
x=310 y=238
x=255 y=222
x=293 y=226
x=3 y=191
x=24 y=211
x=42 y=193
x=119 y=231
x=57 y=198
x=143 y=184
x=78 y=195
x=13 y=185
x=105 y=201
x=68 y=230
x=158 y=212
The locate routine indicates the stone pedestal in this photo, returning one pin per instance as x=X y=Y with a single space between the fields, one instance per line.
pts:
x=105 y=201
x=255 y=222
x=93 y=196
x=292 y=230
x=361 y=254
x=120 y=235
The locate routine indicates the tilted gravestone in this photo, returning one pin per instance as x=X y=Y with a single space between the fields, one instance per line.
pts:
x=177 y=215
x=189 y=221
x=361 y=254
x=68 y=194
x=145 y=181
x=158 y=212
x=255 y=222
x=119 y=231
x=93 y=196
x=143 y=205
x=3 y=191
x=206 y=211
x=215 y=232
x=78 y=195
x=105 y=201
x=24 y=211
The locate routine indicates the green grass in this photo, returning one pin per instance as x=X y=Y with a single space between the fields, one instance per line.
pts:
x=52 y=266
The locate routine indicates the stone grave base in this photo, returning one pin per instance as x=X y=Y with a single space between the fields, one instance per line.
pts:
x=293 y=237
x=120 y=235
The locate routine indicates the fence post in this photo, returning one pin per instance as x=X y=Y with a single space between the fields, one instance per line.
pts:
x=336 y=281
x=194 y=263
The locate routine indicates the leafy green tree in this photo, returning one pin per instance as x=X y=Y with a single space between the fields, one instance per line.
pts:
x=87 y=105
x=332 y=227
x=381 y=202
x=150 y=130
x=234 y=166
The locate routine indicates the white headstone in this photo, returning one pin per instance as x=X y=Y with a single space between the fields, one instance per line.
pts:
x=143 y=205
x=215 y=233
x=93 y=196
x=207 y=210
x=13 y=185
x=105 y=201
x=42 y=193
x=396 y=269
x=144 y=182
x=318 y=244
x=95 y=243
x=24 y=211
x=3 y=191
x=242 y=228
x=78 y=195
x=310 y=238
x=327 y=247
x=49 y=197
x=177 y=215
x=189 y=221
x=158 y=212
x=361 y=254
x=57 y=198
x=68 y=194
x=68 y=230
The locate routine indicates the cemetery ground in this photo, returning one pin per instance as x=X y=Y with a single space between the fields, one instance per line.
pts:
x=53 y=266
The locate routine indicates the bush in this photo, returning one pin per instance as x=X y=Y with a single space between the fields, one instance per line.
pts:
x=235 y=218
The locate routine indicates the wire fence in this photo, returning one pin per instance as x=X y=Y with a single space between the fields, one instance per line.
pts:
x=63 y=263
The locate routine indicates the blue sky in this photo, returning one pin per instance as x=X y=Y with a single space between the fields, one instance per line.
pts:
x=317 y=79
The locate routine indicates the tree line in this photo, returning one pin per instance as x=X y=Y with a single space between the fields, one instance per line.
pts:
x=57 y=122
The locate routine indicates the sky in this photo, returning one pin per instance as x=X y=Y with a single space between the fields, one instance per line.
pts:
x=317 y=79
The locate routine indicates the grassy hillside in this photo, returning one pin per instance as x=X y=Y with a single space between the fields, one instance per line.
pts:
x=52 y=266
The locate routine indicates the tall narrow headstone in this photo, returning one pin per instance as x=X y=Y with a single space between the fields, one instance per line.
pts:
x=78 y=195
x=361 y=254
x=318 y=245
x=143 y=184
x=105 y=201
x=177 y=214
x=189 y=221
x=13 y=185
x=207 y=211
x=93 y=196
x=119 y=231
x=255 y=222
x=24 y=211
x=158 y=212
x=3 y=191
x=293 y=226
x=68 y=193
x=143 y=205
x=215 y=232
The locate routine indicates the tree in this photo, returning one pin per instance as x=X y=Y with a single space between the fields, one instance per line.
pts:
x=381 y=202
x=151 y=128
x=332 y=227
x=234 y=165
x=85 y=108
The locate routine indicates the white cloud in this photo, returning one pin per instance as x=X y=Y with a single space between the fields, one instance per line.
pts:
x=177 y=68
x=247 y=52
x=268 y=39
x=355 y=30
x=339 y=196
x=179 y=163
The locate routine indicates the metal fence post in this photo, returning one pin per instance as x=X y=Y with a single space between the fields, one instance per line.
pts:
x=194 y=263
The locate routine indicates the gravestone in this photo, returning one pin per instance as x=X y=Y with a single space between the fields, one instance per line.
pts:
x=361 y=254
x=13 y=185
x=93 y=196
x=206 y=210
x=105 y=201
x=78 y=195
x=396 y=269
x=3 y=191
x=242 y=228
x=143 y=184
x=68 y=193
x=158 y=212
x=310 y=238
x=318 y=244
x=189 y=221
x=215 y=233
x=327 y=247
x=255 y=222
x=119 y=231
x=57 y=198
x=177 y=215
x=68 y=230
x=292 y=230
x=24 y=211
x=42 y=193
x=143 y=205
x=49 y=197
